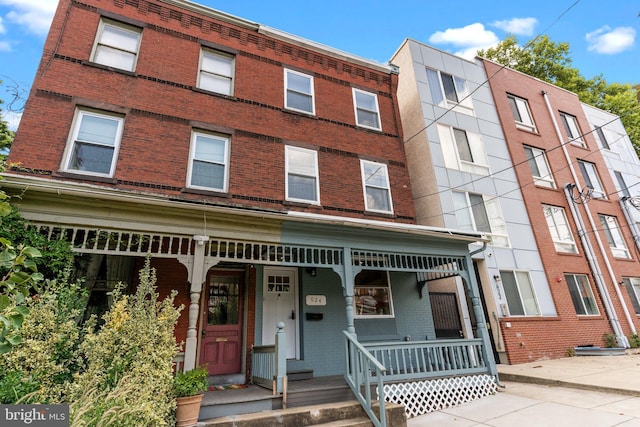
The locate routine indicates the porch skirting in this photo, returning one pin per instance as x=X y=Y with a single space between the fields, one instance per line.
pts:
x=421 y=397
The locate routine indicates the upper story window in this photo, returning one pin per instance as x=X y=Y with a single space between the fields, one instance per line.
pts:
x=540 y=171
x=624 y=190
x=614 y=236
x=570 y=124
x=372 y=295
x=449 y=91
x=94 y=143
x=581 y=294
x=463 y=150
x=367 y=111
x=208 y=162
x=521 y=297
x=559 y=229
x=216 y=72
x=298 y=92
x=600 y=136
x=521 y=113
x=117 y=45
x=375 y=182
x=633 y=288
x=302 y=175
x=590 y=175
x=477 y=213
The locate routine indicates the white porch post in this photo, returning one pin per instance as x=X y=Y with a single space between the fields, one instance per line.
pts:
x=348 y=285
x=197 y=280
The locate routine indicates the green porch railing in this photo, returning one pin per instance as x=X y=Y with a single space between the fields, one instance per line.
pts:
x=413 y=360
x=362 y=368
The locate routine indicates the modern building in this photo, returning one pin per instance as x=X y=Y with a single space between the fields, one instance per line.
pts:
x=265 y=175
x=567 y=158
x=462 y=177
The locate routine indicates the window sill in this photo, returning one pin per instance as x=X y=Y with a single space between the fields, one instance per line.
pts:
x=300 y=113
x=216 y=94
x=527 y=129
x=212 y=192
x=301 y=204
x=110 y=68
x=534 y=318
x=85 y=177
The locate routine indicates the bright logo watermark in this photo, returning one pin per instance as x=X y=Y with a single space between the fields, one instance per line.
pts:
x=34 y=415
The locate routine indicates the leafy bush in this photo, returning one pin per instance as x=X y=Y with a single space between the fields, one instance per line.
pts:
x=610 y=340
x=190 y=383
x=128 y=379
x=634 y=340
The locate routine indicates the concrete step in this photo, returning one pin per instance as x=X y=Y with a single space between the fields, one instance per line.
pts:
x=352 y=422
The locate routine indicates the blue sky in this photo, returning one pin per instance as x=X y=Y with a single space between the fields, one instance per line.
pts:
x=603 y=35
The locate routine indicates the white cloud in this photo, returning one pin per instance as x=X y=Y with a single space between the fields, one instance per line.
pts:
x=611 y=41
x=468 y=39
x=12 y=118
x=34 y=15
x=517 y=26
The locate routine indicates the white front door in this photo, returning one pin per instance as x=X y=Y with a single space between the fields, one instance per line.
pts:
x=280 y=304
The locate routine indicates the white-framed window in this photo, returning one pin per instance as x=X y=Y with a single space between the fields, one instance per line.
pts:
x=591 y=179
x=520 y=294
x=622 y=185
x=476 y=212
x=611 y=229
x=521 y=113
x=633 y=288
x=94 y=143
x=375 y=183
x=463 y=150
x=208 y=162
x=216 y=71
x=372 y=295
x=302 y=175
x=581 y=294
x=298 y=92
x=117 y=45
x=366 y=109
x=449 y=91
x=601 y=137
x=559 y=229
x=539 y=165
x=570 y=124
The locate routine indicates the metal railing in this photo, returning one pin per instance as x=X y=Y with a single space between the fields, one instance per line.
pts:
x=426 y=359
x=362 y=370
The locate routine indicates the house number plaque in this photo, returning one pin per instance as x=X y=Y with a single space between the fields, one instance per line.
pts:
x=316 y=300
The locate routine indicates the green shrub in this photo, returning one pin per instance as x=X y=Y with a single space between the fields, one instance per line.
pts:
x=128 y=379
x=634 y=340
x=190 y=383
x=610 y=340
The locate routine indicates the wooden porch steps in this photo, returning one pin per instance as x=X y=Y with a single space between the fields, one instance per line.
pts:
x=300 y=374
x=341 y=414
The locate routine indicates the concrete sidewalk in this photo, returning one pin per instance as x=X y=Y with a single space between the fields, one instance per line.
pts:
x=611 y=374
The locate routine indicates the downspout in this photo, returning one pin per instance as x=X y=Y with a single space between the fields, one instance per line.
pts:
x=589 y=252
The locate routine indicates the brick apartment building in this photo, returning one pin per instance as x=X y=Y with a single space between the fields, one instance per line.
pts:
x=264 y=173
x=573 y=202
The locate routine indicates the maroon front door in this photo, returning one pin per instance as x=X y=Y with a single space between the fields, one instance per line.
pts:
x=221 y=343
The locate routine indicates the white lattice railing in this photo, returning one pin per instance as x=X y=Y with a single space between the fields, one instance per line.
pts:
x=421 y=397
x=424 y=359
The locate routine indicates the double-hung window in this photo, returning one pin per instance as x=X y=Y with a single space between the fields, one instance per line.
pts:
x=366 y=108
x=298 y=92
x=611 y=229
x=208 y=162
x=375 y=183
x=463 y=150
x=117 y=45
x=521 y=113
x=474 y=212
x=302 y=175
x=624 y=190
x=540 y=171
x=94 y=143
x=600 y=136
x=559 y=229
x=520 y=294
x=633 y=288
x=590 y=175
x=581 y=294
x=570 y=124
x=449 y=91
x=216 y=72
x=372 y=295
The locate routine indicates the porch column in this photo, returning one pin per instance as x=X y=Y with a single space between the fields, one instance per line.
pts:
x=197 y=279
x=481 y=323
x=348 y=286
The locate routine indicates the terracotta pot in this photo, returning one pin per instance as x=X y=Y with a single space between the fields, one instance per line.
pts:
x=188 y=410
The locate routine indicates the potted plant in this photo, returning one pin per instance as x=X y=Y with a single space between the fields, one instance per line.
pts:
x=189 y=388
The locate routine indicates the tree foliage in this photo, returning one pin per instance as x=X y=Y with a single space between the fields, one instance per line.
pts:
x=551 y=62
